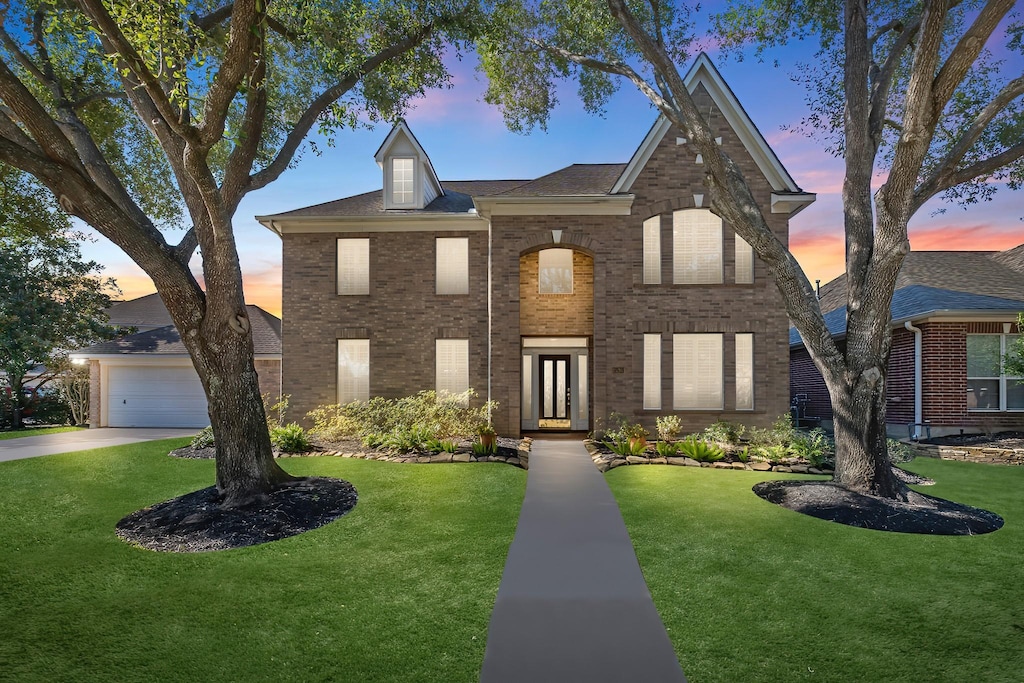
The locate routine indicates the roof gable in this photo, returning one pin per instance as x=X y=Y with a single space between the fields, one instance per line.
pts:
x=401 y=142
x=704 y=73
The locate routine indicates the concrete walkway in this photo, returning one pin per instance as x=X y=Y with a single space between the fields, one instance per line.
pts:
x=573 y=604
x=82 y=440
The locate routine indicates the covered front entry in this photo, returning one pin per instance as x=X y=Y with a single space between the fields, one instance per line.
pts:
x=554 y=382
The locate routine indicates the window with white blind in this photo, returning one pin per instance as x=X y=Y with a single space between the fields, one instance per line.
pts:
x=744 y=262
x=652 y=372
x=696 y=247
x=744 y=371
x=353 y=370
x=452 y=265
x=652 y=251
x=354 y=266
x=554 y=274
x=989 y=385
x=697 y=372
x=403 y=190
x=452 y=366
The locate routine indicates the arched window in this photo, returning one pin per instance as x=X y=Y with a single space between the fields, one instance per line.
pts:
x=697 y=247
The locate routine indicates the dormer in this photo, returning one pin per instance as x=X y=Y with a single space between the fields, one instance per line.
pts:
x=409 y=178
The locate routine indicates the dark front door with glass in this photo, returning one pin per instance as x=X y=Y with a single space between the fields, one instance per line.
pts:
x=555 y=392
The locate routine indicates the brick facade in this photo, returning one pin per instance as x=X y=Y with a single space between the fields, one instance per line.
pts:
x=611 y=305
x=943 y=381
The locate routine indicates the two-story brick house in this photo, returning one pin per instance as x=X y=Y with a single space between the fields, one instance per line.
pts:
x=595 y=288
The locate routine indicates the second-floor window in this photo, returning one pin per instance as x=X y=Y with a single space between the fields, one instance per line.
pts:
x=744 y=262
x=696 y=247
x=452 y=265
x=354 y=266
x=403 y=190
x=652 y=251
x=554 y=274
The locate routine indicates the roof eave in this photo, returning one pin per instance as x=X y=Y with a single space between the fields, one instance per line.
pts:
x=555 y=205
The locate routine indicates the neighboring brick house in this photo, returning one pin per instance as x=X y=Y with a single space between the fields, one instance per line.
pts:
x=147 y=379
x=953 y=315
x=596 y=288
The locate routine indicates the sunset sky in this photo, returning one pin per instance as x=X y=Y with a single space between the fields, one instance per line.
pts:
x=467 y=139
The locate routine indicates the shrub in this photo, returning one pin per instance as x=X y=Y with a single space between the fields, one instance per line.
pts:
x=275 y=412
x=899 y=452
x=625 y=446
x=781 y=433
x=480 y=450
x=669 y=427
x=772 y=452
x=49 y=408
x=744 y=454
x=724 y=432
x=667 y=449
x=814 y=446
x=290 y=439
x=204 y=439
x=700 y=450
x=621 y=428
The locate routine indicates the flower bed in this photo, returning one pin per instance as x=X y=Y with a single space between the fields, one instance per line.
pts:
x=605 y=459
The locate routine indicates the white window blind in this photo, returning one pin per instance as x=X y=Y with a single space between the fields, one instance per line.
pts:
x=652 y=251
x=744 y=262
x=697 y=371
x=555 y=271
x=403 y=191
x=452 y=366
x=452 y=265
x=354 y=266
x=353 y=370
x=697 y=247
x=744 y=371
x=652 y=372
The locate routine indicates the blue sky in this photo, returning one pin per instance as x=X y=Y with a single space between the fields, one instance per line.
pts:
x=467 y=139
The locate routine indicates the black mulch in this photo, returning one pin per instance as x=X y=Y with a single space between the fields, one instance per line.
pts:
x=911 y=477
x=920 y=514
x=189 y=453
x=195 y=522
x=1000 y=440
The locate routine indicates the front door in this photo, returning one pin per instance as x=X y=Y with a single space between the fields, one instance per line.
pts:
x=555 y=404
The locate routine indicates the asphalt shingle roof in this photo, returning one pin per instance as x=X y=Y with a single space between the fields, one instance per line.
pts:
x=266 y=339
x=146 y=311
x=578 y=179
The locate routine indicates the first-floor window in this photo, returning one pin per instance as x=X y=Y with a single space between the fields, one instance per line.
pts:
x=353 y=370
x=697 y=371
x=452 y=366
x=989 y=387
x=652 y=372
x=744 y=371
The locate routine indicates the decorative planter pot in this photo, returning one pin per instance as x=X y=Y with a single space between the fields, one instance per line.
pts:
x=488 y=440
x=634 y=441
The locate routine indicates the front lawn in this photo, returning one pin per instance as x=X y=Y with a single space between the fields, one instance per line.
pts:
x=400 y=589
x=753 y=592
x=36 y=431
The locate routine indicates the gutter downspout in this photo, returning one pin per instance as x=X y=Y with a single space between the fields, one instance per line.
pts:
x=918 y=418
x=489 y=315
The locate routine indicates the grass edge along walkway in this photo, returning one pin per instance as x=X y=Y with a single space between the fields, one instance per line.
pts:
x=573 y=605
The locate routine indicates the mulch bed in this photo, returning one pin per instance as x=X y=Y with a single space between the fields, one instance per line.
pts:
x=1004 y=440
x=196 y=522
x=919 y=514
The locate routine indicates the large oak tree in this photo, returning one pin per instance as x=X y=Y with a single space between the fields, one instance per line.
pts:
x=906 y=87
x=144 y=115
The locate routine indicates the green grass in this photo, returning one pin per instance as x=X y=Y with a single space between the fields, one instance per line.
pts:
x=36 y=431
x=400 y=589
x=753 y=592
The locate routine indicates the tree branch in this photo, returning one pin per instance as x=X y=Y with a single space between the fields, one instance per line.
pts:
x=982 y=168
x=186 y=247
x=302 y=127
x=83 y=102
x=882 y=78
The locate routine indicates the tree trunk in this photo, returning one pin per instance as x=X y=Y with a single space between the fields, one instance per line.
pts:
x=862 y=457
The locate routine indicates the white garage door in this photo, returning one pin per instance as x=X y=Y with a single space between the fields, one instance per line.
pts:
x=148 y=396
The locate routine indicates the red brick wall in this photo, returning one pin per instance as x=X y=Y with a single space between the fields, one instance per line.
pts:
x=899 y=390
x=804 y=378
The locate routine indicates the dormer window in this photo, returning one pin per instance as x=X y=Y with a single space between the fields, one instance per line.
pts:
x=403 y=187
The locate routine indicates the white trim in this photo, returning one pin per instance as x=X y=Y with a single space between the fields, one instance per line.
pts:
x=402 y=127
x=703 y=72
x=554 y=342
x=410 y=222
x=142 y=358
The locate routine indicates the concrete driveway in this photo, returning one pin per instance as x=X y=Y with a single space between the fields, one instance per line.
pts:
x=82 y=440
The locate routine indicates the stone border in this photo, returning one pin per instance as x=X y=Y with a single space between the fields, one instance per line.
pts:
x=606 y=461
x=981 y=454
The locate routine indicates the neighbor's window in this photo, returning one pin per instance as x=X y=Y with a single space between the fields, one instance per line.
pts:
x=697 y=247
x=354 y=266
x=652 y=372
x=744 y=262
x=652 y=251
x=452 y=366
x=403 y=191
x=988 y=385
x=697 y=372
x=744 y=371
x=353 y=370
x=452 y=265
x=555 y=271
